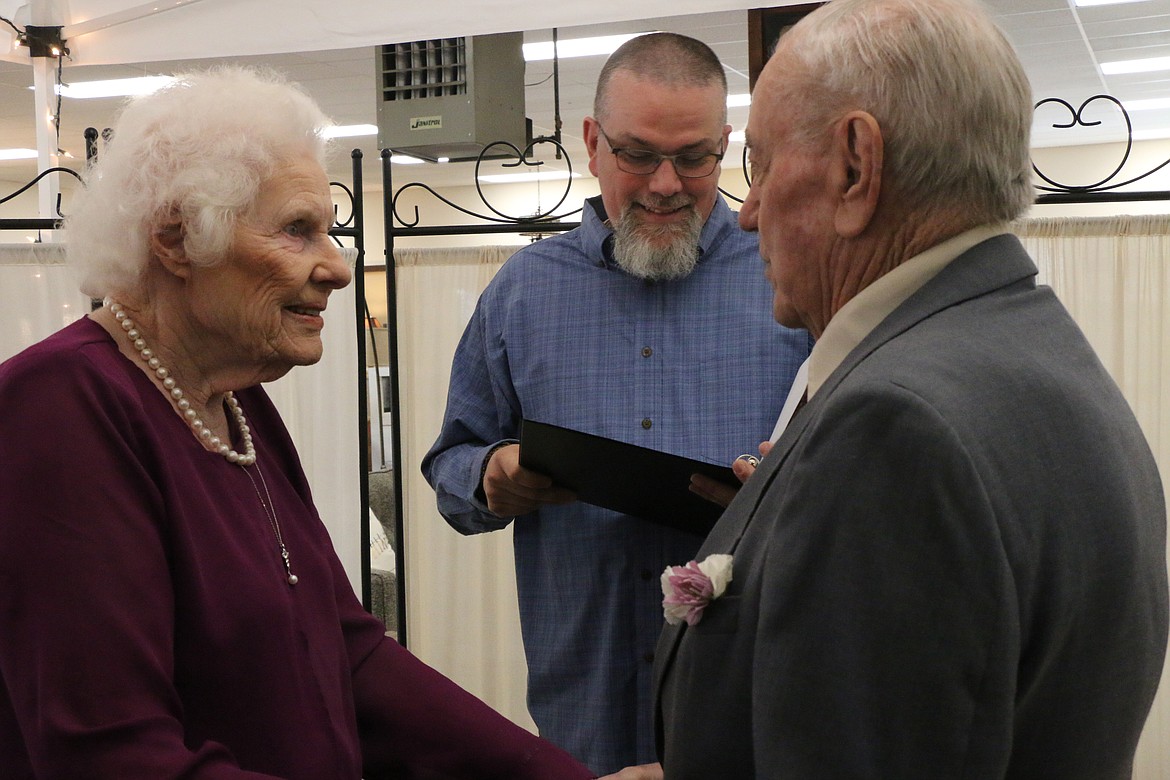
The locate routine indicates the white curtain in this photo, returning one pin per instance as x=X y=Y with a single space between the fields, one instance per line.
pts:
x=38 y=296
x=1113 y=274
x=462 y=614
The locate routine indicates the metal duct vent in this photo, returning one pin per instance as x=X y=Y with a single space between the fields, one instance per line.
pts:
x=424 y=69
x=451 y=97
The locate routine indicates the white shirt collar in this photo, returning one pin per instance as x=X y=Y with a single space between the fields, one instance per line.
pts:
x=860 y=315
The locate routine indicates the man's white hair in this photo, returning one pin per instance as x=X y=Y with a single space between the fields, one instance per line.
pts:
x=944 y=83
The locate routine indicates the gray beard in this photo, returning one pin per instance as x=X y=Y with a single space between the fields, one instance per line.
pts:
x=640 y=251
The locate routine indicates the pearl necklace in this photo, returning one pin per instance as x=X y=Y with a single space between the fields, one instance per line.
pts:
x=202 y=432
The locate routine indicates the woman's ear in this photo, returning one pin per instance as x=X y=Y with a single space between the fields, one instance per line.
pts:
x=858 y=145
x=167 y=243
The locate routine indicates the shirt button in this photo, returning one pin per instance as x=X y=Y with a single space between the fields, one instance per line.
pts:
x=648 y=658
x=646 y=423
x=647 y=352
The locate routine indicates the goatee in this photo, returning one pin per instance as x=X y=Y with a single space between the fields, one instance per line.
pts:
x=657 y=252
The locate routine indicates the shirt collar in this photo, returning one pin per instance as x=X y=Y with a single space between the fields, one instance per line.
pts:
x=860 y=315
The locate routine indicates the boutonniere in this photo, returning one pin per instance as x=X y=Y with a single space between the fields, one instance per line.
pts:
x=687 y=590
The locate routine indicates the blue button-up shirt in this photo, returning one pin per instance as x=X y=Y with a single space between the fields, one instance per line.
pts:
x=695 y=367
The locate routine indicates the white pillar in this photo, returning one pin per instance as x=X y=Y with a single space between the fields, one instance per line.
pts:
x=46 y=13
x=45 y=109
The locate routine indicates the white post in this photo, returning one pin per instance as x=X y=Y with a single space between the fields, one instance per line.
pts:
x=44 y=80
x=46 y=13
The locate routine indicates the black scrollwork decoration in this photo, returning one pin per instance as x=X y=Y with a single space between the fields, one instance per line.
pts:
x=343 y=227
x=747 y=177
x=1078 y=119
x=522 y=158
x=337 y=220
x=37 y=178
x=351 y=226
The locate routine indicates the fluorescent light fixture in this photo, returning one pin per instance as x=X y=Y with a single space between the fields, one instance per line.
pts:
x=1146 y=105
x=520 y=178
x=1151 y=135
x=18 y=154
x=405 y=159
x=1086 y=3
x=575 y=47
x=350 y=131
x=140 y=85
x=739 y=101
x=1135 y=66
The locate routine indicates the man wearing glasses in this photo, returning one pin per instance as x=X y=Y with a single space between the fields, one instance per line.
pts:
x=651 y=324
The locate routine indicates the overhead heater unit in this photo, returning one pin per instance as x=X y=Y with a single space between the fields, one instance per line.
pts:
x=452 y=97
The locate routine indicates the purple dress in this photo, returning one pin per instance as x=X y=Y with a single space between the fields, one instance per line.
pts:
x=147 y=628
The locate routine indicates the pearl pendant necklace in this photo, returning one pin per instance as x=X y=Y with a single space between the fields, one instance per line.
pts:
x=205 y=434
x=270 y=513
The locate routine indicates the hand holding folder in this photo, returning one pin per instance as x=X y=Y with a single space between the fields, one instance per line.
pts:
x=509 y=489
x=623 y=477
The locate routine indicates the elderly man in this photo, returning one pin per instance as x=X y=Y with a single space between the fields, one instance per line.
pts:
x=648 y=324
x=953 y=561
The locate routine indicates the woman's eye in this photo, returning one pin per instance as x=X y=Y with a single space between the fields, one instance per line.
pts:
x=295 y=229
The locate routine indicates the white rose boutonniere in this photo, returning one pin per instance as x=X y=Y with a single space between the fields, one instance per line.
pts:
x=687 y=590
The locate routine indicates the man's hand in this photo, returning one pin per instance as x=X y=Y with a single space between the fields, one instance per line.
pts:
x=719 y=493
x=513 y=490
x=643 y=772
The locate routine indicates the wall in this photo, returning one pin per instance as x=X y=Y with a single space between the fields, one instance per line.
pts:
x=1088 y=165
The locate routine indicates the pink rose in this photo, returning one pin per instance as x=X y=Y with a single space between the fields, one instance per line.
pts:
x=688 y=589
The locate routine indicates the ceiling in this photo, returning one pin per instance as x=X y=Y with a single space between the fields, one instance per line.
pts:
x=1061 y=46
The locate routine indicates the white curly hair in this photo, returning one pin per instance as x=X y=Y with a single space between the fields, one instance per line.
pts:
x=197 y=150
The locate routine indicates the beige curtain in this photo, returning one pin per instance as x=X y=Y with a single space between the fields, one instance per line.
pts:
x=461 y=610
x=1113 y=274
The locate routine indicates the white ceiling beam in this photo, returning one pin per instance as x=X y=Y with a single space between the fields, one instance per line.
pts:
x=72 y=31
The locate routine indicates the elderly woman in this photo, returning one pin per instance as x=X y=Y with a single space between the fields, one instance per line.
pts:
x=170 y=603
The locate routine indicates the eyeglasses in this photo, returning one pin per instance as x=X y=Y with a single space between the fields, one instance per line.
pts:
x=643 y=162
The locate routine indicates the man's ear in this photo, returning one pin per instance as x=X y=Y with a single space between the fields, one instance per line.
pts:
x=858 y=148
x=167 y=243
x=591 y=132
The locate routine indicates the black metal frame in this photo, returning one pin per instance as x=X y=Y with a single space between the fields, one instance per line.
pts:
x=354 y=228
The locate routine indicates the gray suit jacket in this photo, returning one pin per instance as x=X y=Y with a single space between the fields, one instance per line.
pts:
x=951 y=565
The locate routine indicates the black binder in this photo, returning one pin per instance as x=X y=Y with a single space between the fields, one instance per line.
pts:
x=623 y=477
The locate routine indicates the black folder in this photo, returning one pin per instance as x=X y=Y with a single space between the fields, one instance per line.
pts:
x=626 y=478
